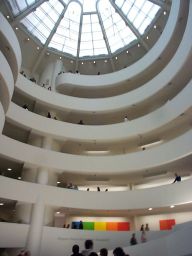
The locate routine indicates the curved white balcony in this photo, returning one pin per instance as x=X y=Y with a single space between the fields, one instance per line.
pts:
x=102 y=133
x=162 y=196
x=6 y=83
x=10 y=46
x=122 y=76
x=118 y=164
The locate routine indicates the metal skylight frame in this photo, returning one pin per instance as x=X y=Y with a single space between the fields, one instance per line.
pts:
x=65 y=3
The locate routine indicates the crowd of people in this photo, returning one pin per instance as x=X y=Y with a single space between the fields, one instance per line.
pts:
x=89 y=250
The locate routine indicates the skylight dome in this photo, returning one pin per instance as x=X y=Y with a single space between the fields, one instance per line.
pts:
x=85 y=28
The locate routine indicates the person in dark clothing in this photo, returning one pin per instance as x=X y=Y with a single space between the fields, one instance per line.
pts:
x=75 y=250
x=119 y=252
x=25 y=106
x=81 y=122
x=49 y=115
x=80 y=225
x=93 y=254
x=177 y=178
x=142 y=227
x=133 y=240
x=103 y=252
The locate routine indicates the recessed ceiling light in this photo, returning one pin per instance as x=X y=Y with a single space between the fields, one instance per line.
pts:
x=94 y=61
x=28 y=39
x=57 y=212
x=82 y=63
x=138 y=45
x=105 y=61
x=9 y=169
x=116 y=58
x=60 y=57
x=16 y=28
x=155 y=26
x=58 y=182
x=172 y=206
x=48 y=53
x=8 y=16
x=127 y=51
x=19 y=178
x=1 y=203
x=164 y=12
x=38 y=48
x=150 y=209
x=147 y=37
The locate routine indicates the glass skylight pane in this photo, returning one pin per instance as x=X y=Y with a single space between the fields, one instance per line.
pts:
x=55 y=46
x=147 y=7
x=39 y=36
x=45 y=17
x=139 y=3
x=115 y=27
x=153 y=12
x=144 y=25
x=133 y=13
x=68 y=29
x=86 y=28
x=18 y=6
x=126 y=7
x=29 y=2
x=22 y=5
x=119 y=3
x=141 y=13
x=89 y=5
x=98 y=36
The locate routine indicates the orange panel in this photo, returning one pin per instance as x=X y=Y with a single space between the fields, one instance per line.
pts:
x=113 y=226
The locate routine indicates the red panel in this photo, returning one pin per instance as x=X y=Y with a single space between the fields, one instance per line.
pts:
x=166 y=224
x=123 y=226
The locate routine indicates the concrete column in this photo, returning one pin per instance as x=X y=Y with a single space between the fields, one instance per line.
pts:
x=23 y=210
x=47 y=143
x=36 y=228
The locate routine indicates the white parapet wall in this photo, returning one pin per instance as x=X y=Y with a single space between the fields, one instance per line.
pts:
x=60 y=241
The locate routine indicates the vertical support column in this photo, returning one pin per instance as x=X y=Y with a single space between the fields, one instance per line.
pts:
x=36 y=228
x=41 y=214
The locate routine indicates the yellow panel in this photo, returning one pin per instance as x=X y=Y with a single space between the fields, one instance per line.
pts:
x=100 y=226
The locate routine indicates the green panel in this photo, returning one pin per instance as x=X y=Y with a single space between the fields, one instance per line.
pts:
x=88 y=225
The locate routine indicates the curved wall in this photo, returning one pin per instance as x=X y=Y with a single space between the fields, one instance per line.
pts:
x=162 y=196
x=154 y=157
x=6 y=82
x=102 y=133
x=10 y=46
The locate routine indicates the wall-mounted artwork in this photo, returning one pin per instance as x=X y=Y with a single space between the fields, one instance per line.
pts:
x=103 y=226
x=166 y=224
